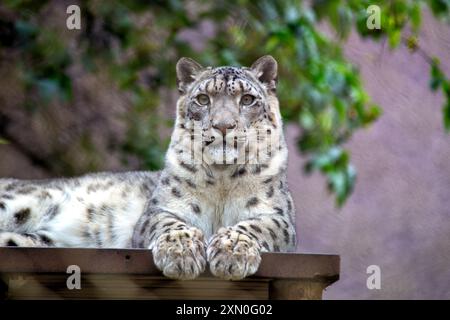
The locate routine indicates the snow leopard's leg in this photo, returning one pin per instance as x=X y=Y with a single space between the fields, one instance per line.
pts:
x=234 y=252
x=24 y=205
x=178 y=248
x=12 y=239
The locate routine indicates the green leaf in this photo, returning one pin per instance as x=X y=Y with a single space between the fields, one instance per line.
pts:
x=394 y=38
x=436 y=75
x=416 y=16
x=306 y=120
x=48 y=89
x=412 y=43
x=26 y=29
x=446 y=115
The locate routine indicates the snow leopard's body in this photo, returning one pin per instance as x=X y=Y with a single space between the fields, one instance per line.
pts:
x=95 y=210
x=193 y=211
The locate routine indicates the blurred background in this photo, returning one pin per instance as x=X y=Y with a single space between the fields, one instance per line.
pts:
x=366 y=111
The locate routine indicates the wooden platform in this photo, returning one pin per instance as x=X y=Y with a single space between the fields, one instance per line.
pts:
x=41 y=273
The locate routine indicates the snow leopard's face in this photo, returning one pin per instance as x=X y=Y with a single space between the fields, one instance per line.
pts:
x=233 y=112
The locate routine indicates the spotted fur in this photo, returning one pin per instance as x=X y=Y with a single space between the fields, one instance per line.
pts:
x=96 y=210
x=225 y=209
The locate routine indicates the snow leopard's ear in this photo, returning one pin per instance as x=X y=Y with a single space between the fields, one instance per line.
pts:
x=187 y=69
x=266 y=70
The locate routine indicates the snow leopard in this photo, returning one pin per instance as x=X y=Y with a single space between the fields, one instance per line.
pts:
x=221 y=200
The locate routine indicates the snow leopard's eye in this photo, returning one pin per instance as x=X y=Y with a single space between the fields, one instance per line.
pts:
x=247 y=99
x=202 y=99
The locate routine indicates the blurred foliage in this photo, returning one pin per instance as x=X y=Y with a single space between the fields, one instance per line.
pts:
x=439 y=80
x=318 y=88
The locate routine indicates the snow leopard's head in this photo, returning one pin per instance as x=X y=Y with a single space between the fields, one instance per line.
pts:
x=228 y=114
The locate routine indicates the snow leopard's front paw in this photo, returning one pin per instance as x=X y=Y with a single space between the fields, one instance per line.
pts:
x=180 y=254
x=233 y=255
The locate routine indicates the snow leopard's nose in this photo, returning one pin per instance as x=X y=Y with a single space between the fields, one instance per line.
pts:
x=224 y=126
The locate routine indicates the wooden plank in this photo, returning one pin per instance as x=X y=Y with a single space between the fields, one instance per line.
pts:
x=140 y=261
x=136 y=287
x=40 y=273
x=303 y=289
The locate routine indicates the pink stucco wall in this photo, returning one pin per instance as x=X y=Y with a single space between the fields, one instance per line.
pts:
x=399 y=215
